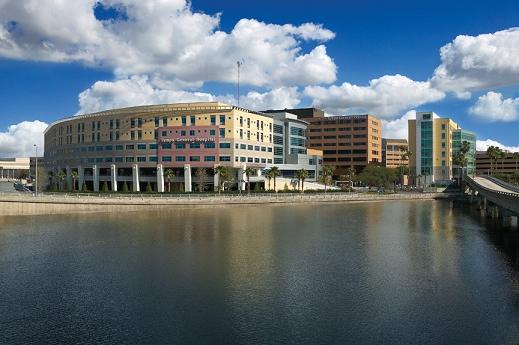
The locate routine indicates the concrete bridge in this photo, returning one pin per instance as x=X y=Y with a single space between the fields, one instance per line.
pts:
x=497 y=197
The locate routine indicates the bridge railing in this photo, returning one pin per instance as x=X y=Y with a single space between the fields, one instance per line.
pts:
x=472 y=183
x=501 y=183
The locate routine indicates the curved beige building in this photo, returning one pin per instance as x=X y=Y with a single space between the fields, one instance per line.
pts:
x=134 y=146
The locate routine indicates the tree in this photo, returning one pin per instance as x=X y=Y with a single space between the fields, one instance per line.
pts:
x=460 y=159
x=268 y=176
x=104 y=189
x=61 y=177
x=202 y=176
x=327 y=172
x=248 y=172
x=223 y=174
x=274 y=171
x=169 y=174
x=84 y=188
x=493 y=154
x=148 y=188
x=516 y=158
x=75 y=176
x=376 y=176
x=301 y=175
x=350 y=174
x=125 y=187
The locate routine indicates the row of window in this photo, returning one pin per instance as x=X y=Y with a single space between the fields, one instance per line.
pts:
x=341 y=136
x=239 y=146
x=340 y=129
x=127 y=147
x=340 y=121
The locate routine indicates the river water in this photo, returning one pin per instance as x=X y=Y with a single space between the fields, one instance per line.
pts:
x=410 y=272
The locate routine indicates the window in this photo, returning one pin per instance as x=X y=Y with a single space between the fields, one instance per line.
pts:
x=222 y=119
x=130 y=147
x=184 y=121
x=256 y=148
x=141 y=146
x=141 y=159
x=250 y=147
x=180 y=145
x=108 y=160
x=117 y=123
x=182 y=133
x=269 y=149
x=209 y=159
x=164 y=133
x=108 y=148
x=139 y=122
x=166 y=158
x=269 y=161
x=194 y=145
x=139 y=135
x=225 y=158
x=192 y=133
x=180 y=158
x=256 y=160
x=153 y=146
x=132 y=123
x=192 y=119
x=157 y=122
x=194 y=159
x=91 y=148
x=164 y=122
x=243 y=159
x=241 y=121
x=99 y=160
x=166 y=145
x=132 y=135
x=222 y=132
x=129 y=159
x=118 y=159
x=243 y=147
x=212 y=132
x=209 y=145
x=99 y=148
x=153 y=159
x=111 y=124
x=213 y=120
x=226 y=145
x=249 y=160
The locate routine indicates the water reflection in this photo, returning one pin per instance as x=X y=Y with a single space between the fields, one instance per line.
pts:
x=422 y=272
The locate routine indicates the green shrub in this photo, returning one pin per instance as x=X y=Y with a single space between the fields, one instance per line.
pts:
x=125 y=187
x=104 y=189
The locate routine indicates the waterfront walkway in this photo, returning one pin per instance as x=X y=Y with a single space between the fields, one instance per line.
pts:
x=27 y=204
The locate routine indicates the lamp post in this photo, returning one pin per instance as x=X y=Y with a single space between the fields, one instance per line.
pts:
x=36 y=173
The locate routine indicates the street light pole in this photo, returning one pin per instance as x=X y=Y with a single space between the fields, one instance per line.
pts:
x=36 y=173
x=239 y=63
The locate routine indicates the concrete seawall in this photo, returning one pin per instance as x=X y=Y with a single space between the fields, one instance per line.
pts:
x=19 y=204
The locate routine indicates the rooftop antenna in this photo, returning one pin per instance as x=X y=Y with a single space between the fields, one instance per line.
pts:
x=238 y=64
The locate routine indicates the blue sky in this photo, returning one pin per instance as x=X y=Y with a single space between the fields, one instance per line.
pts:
x=112 y=56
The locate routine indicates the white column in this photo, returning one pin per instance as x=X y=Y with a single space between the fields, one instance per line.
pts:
x=95 y=179
x=216 y=179
x=242 y=177
x=69 y=177
x=160 y=178
x=81 y=177
x=135 y=176
x=113 y=177
x=187 y=178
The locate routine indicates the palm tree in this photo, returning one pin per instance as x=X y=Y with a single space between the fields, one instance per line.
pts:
x=168 y=174
x=516 y=157
x=301 y=175
x=222 y=173
x=268 y=176
x=327 y=172
x=350 y=173
x=248 y=172
x=493 y=154
x=61 y=177
x=274 y=171
x=501 y=155
x=75 y=176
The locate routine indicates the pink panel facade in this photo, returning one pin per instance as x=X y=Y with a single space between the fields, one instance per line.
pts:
x=194 y=145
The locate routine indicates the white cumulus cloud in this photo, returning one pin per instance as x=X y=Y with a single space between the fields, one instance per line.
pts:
x=494 y=108
x=386 y=96
x=482 y=145
x=165 y=39
x=398 y=128
x=479 y=62
x=20 y=138
x=139 y=90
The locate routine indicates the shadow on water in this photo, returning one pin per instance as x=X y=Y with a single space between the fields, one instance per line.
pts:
x=501 y=233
